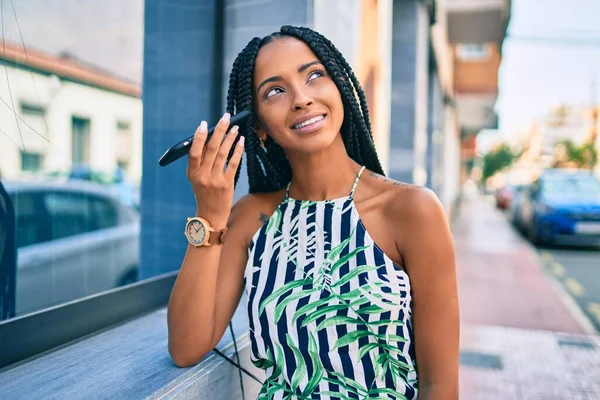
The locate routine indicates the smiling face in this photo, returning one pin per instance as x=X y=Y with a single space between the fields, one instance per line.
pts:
x=298 y=104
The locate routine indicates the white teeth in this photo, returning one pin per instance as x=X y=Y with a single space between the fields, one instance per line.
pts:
x=310 y=121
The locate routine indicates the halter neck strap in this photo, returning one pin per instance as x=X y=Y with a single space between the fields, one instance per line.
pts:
x=356 y=181
x=287 y=189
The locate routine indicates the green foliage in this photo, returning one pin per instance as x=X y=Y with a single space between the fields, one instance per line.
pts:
x=498 y=159
x=384 y=349
x=584 y=155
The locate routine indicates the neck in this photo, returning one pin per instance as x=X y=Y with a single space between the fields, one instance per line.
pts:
x=329 y=174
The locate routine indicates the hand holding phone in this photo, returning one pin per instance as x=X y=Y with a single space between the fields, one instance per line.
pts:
x=182 y=148
x=213 y=177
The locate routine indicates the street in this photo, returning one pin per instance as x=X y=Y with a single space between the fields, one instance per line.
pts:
x=523 y=336
x=578 y=270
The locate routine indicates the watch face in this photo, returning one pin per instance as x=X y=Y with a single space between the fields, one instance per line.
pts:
x=196 y=232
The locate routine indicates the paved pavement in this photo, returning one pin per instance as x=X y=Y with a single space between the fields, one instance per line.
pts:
x=509 y=363
x=522 y=336
x=499 y=274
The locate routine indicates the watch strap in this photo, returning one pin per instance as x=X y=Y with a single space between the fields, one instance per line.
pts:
x=217 y=236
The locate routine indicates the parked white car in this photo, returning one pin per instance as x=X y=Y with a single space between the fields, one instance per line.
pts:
x=74 y=239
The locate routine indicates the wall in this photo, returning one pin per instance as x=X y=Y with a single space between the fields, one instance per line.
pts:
x=382 y=114
x=408 y=133
x=444 y=54
x=344 y=30
x=373 y=70
x=62 y=100
x=477 y=76
x=177 y=93
x=452 y=161
x=445 y=138
x=435 y=160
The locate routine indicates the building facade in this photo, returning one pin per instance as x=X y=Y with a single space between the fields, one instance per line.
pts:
x=59 y=112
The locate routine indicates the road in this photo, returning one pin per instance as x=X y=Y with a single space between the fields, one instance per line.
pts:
x=578 y=270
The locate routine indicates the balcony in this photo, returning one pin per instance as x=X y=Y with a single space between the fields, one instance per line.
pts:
x=476 y=112
x=477 y=21
x=476 y=85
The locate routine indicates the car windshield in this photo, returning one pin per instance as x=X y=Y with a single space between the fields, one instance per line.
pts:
x=571 y=186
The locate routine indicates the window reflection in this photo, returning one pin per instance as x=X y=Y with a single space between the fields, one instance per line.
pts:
x=70 y=149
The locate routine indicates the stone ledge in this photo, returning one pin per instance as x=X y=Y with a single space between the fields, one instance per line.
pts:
x=131 y=361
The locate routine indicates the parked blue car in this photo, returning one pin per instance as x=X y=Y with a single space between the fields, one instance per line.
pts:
x=562 y=205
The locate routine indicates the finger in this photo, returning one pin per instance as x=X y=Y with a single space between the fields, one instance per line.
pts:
x=236 y=159
x=211 y=148
x=195 y=152
x=224 y=149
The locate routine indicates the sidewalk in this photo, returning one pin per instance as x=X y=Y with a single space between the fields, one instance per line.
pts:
x=519 y=338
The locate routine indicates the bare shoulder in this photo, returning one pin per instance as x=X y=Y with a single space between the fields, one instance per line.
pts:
x=409 y=219
x=414 y=206
x=251 y=211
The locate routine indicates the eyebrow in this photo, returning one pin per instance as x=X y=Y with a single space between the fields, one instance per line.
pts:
x=276 y=78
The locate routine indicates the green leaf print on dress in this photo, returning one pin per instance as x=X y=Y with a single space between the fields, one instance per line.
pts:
x=382 y=349
x=287 y=242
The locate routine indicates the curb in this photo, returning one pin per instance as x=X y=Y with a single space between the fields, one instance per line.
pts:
x=575 y=311
x=567 y=299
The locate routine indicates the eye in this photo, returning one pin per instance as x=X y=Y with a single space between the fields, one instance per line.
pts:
x=315 y=74
x=272 y=92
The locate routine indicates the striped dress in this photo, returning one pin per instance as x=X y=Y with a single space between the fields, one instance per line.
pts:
x=329 y=312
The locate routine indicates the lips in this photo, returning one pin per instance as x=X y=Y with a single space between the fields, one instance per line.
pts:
x=306 y=121
x=309 y=122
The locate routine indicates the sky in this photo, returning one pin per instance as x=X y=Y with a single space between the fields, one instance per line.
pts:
x=106 y=33
x=535 y=76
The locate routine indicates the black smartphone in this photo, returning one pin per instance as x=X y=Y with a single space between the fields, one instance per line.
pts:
x=182 y=148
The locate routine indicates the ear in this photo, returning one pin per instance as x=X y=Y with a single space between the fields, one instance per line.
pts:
x=260 y=132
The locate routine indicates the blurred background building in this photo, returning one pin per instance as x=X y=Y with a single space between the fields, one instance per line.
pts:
x=67 y=113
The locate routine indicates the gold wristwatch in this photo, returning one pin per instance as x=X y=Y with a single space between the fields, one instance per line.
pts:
x=199 y=232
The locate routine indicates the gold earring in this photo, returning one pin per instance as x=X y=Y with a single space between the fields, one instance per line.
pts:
x=262 y=143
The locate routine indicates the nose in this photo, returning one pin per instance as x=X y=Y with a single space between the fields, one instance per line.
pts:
x=301 y=100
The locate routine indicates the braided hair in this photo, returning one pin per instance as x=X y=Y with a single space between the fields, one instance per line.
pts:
x=268 y=168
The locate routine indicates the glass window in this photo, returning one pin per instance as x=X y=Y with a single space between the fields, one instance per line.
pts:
x=31 y=224
x=31 y=162
x=124 y=144
x=70 y=214
x=473 y=51
x=572 y=186
x=71 y=146
x=81 y=141
x=104 y=213
x=34 y=133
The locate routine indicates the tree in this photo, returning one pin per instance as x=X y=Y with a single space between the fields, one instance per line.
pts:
x=568 y=153
x=497 y=159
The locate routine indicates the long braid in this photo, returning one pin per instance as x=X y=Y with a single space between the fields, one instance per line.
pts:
x=269 y=169
x=233 y=86
x=239 y=97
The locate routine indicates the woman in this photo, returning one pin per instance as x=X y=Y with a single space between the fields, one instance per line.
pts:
x=350 y=276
